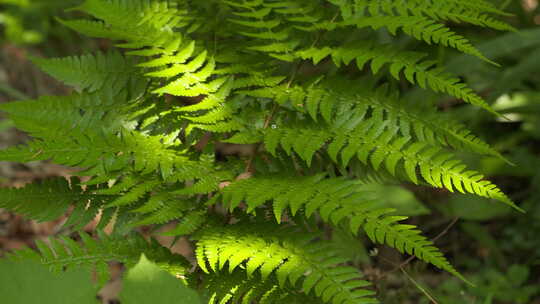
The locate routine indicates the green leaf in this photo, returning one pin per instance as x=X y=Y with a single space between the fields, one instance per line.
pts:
x=26 y=282
x=147 y=283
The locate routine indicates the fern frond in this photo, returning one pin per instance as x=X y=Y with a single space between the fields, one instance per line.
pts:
x=332 y=98
x=142 y=20
x=66 y=128
x=377 y=143
x=189 y=223
x=291 y=257
x=54 y=116
x=272 y=27
x=153 y=201
x=52 y=198
x=422 y=28
x=65 y=252
x=148 y=27
x=161 y=208
x=106 y=153
x=239 y=288
x=135 y=193
x=90 y=72
x=146 y=126
x=415 y=69
x=337 y=201
x=475 y=12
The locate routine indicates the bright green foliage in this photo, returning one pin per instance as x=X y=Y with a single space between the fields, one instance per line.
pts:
x=237 y=286
x=293 y=258
x=90 y=72
x=333 y=98
x=146 y=283
x=380 y=146
x=24 y=282
x=304 y=84
x=339 y=202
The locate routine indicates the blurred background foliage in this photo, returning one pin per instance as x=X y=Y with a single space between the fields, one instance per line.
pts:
x=496 y=248
x=29 y=22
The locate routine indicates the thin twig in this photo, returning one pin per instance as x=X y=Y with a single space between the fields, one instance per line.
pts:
x=268 y=120
x=249 y=166
x=422 y=289
x=12 y=92
x=411 y=258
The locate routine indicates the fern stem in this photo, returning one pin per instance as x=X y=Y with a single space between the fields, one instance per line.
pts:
x=12 y=92
x=249 y=166
x=420 y=287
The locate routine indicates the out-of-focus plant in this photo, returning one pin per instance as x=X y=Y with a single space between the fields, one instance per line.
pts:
x=31 y=21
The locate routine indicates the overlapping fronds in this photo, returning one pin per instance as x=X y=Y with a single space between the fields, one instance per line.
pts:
x=62 y=252
x=151 y=201
x=477 y=12
x=87 y=131
x=276 y=28
x=90 y=72
x=149 y=28
x=105 y=153
x=378 y=144
x=338 y=201
x=50 y=199
x=334 y=97
x=294 y=259
x=413 y=65
x=423 y=29
x=50 y=116
x=162 y=207
x=240 y=288
x=271 y=74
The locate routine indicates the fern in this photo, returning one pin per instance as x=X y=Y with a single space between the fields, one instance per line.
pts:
x=378 y=145
x=65 y=252
x=476 y=12
x=338 y=201
x=416 y=70
x=238 y=287
x=334 y=96
x=289 y=259
x=51 y=199
x=422 y=28
x=90 y=72
x=318 y=99
x=172 y=56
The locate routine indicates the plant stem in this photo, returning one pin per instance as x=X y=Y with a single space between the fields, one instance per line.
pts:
x=12 y=92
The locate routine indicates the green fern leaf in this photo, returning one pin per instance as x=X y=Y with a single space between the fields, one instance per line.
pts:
x=318 y=270
x=50 y=199
x=90 y=72
x=338 y=201
x=415 y=69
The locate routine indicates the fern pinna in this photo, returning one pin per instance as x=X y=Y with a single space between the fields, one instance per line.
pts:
x=309 y=85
